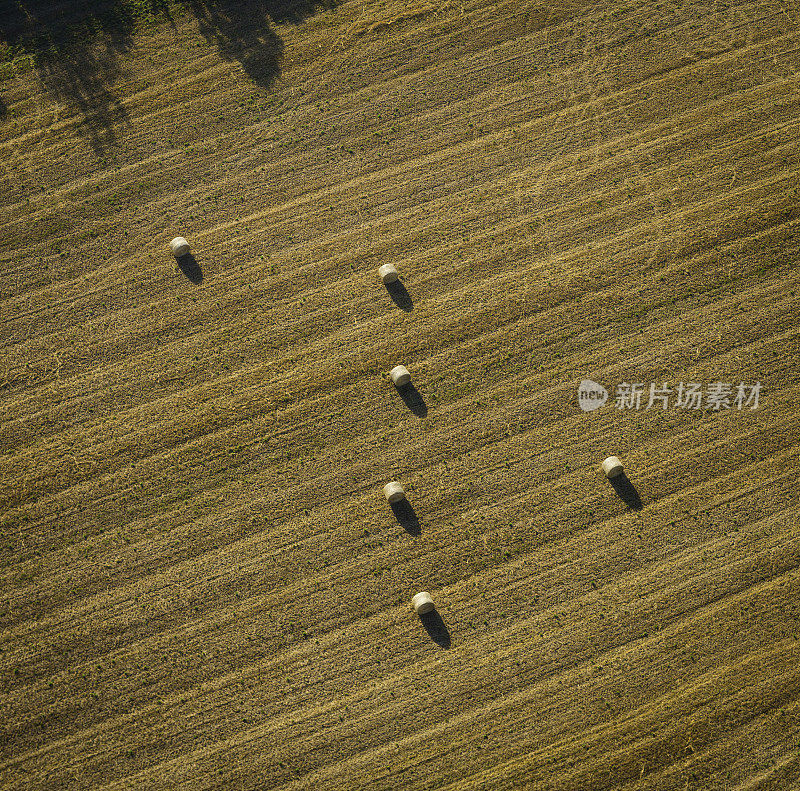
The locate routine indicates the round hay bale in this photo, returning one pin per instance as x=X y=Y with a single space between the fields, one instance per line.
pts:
x=422 y=603
x=400 y=375
x=179 y=246
x=394 y=492
x=612 y=467
x=388 y=273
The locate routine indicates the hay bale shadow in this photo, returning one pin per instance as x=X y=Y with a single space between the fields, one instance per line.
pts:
x=189 y=266
x=436 y=629
x=400 y=297
x=412 y=399
x=626 y=491
x=407 y=517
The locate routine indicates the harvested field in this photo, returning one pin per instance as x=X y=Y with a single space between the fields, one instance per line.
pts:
x=202 y=583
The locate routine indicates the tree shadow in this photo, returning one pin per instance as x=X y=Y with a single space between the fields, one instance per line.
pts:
x=400 y=297
x=435 y=627
x=77 y=46
x=189 y=266
x=626 y=491
x=412 y=399
x=407 y=517
x=79 y=78
x=76 y=55
x=242 y=31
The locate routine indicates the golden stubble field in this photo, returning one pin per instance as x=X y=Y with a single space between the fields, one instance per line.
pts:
x=202 y=585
